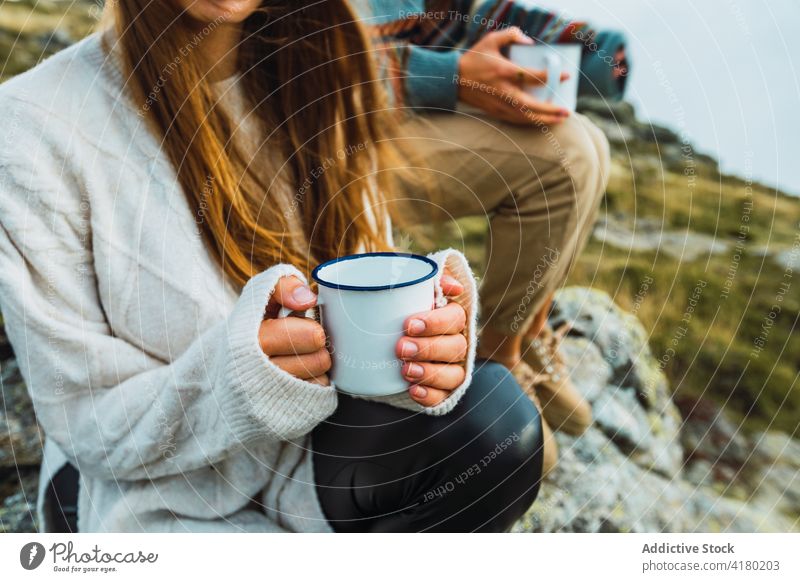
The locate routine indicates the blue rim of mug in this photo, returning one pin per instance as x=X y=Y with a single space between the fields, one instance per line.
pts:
x=318 y=279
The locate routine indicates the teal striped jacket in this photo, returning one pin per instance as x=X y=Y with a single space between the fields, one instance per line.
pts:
x=420 y=42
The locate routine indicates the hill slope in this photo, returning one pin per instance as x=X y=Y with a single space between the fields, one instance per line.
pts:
x=706 y=261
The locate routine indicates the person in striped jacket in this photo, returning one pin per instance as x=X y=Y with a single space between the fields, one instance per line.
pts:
x=537 y=171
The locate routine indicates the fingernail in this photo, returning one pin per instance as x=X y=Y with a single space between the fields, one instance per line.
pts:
x=408 y=349
x=303 y=295
x=416 y=326
x=414 y=371
x=450 y=280
x=419 y=392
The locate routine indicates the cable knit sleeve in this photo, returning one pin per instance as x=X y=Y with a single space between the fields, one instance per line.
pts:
x=455 y=262
x=116 y=412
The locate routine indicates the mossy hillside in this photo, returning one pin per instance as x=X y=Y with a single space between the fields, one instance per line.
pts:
x=705 y=344
x=31 y=30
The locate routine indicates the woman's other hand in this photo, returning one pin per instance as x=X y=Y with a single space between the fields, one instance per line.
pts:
x=491 y=82
x=434 y=348
x=295 y=344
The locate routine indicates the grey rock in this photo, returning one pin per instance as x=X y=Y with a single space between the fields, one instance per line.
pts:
x=707 y=434
x=777 y=446
x=762 y=470
x=18 y=509
x=616 y=133
x=649 y=235
x=20 y=438
x=621 y=339
x=773 y=472
x=760 y=250
x=588 y=370
x=700 y=472
x=657 y=133
x=626 y=473
x=633 y=137
x=620 y=112
x=788 y=258
x=621 y=419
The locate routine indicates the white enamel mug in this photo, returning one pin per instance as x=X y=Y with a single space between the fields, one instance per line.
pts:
x=555 y=59
x=364 y=300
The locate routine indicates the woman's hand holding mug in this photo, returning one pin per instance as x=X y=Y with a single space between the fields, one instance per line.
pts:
x=297 y=345
x=434 y=348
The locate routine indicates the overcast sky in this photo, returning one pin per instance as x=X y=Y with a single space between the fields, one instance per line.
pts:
x=728 y=71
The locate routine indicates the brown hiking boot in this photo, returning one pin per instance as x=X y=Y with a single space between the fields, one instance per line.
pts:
x=562 y=405
x=527 y=379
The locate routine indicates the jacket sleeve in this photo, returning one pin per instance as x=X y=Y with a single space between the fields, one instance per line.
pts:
x=418 y=76
x=431 y=78
x=422 y=48
x=115 y=411
x=544 y=26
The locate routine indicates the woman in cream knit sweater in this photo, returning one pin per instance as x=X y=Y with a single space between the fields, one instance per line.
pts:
x=160 y=198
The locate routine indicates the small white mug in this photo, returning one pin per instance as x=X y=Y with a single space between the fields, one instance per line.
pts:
x=365 y=299
x=555 y=59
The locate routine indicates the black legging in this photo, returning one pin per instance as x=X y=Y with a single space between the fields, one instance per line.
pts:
x=379 y=468
x=382 y=469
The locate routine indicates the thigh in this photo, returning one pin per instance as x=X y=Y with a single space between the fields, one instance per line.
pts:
x=467 y=165
x=379 y=468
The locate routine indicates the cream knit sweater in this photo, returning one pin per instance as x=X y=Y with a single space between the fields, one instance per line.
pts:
x=143 y=365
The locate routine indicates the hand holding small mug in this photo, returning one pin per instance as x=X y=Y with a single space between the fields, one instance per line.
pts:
x=297 y=345
x=494 y=84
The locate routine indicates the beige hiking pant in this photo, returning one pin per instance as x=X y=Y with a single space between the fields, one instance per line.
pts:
x=539 y=187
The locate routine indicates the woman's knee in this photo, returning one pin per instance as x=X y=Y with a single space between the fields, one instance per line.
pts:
x=504 y=458
x=477 y=468
x=503 y=425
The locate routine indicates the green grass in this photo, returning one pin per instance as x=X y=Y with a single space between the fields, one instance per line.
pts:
x=26 y=26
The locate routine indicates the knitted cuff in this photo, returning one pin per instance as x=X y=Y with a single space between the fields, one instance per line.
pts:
x=261 y=399
x=431 y=80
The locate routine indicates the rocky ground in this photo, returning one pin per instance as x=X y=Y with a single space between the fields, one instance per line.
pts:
x=20 y=447
x=650 y=235
x=650 y=464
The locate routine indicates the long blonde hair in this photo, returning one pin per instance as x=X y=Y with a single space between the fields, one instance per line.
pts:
x=308 y=75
